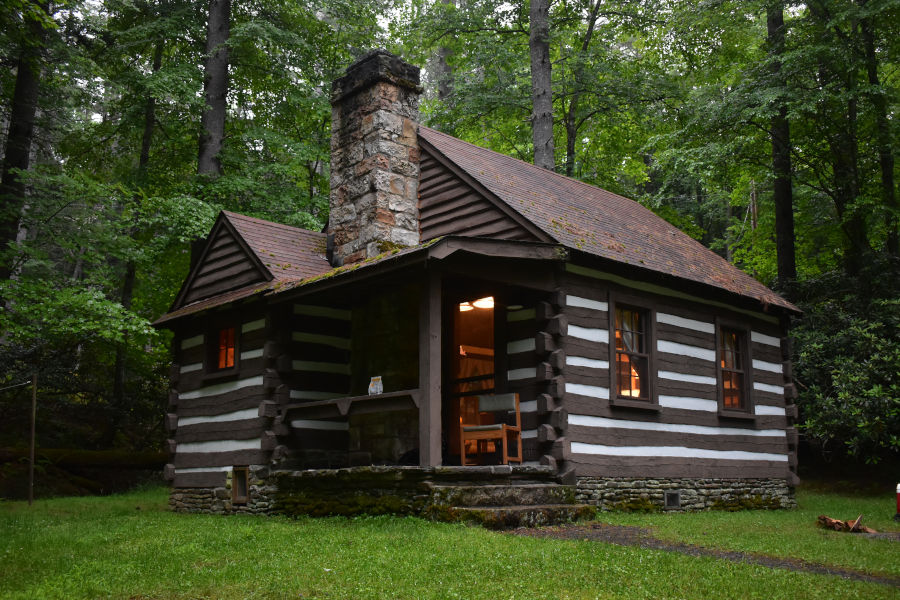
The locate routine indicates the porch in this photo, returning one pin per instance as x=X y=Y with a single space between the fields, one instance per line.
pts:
x=383 y=371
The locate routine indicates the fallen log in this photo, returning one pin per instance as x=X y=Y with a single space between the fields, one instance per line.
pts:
x=851 y=526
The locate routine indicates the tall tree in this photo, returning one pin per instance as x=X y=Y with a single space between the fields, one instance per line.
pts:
x=541 y=84
x=572 y=117
x=23 y=109
x=882 y=132
x=780 y=134
x=215 y=88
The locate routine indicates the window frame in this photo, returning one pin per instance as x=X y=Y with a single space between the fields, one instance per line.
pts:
x=651 y=402
x=244 y=473
x=214 y=330
x=745 y=347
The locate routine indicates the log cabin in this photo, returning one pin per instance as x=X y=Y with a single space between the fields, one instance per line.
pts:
x=354 y=366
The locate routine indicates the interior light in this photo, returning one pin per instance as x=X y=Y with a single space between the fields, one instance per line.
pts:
x=484 y=302
x=465 y=306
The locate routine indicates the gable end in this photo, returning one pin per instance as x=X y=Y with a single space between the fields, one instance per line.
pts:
x=226 y=264
x=451 y=205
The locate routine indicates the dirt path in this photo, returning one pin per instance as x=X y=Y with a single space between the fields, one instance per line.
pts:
x=624 y=535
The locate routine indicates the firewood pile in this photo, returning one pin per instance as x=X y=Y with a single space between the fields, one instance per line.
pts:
x=851 y=526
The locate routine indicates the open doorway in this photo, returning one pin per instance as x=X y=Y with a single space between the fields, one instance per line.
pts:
x=472 y=363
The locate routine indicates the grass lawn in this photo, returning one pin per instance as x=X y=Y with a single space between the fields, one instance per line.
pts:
x=788 y=533
x=129 y=546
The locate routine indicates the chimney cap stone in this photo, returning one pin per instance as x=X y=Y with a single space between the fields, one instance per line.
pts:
x=372 y=67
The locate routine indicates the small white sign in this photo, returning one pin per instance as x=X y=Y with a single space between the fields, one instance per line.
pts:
x=375 y=386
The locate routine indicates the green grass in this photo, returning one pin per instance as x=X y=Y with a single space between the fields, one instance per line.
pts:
x=787 y=533
x=129 y=546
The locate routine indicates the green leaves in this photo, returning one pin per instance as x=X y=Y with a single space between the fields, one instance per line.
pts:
x=848 y=365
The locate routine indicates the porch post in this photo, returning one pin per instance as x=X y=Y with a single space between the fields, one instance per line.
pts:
x=430 y=371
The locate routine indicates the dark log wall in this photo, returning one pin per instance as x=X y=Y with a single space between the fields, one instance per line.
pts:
x=220 y=419
x=225 y=266
x=521 y=373
x=534 y=364
x=449 y=206
x=683 y=432
x=386 y=340
x=315 y=366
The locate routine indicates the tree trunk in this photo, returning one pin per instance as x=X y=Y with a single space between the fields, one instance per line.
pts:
x=130 y=276
x=845 y=171
x=443 y=72
x=149 y=119
x=215 y=88
x=780 y=134
x=541 y=95
x=883 y=136
x=17 y=154
x=122 y=347
x=577 y=75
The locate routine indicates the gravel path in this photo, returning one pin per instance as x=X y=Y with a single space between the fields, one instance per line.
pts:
x=624 y=535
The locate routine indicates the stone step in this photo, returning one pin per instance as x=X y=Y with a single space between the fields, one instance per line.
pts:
x=502 y=495
x=510 y=517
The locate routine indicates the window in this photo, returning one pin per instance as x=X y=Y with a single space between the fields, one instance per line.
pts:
x=226 y=348
x=733 y=369
x=240 y=485
x=632 y=353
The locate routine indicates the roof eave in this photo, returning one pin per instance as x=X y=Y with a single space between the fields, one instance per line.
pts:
x=695 y=288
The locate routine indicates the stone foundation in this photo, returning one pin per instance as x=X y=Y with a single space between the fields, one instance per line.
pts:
x=218 y=500
x=629 y=493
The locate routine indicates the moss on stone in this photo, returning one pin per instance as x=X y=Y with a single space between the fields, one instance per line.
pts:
x=755 y=502
x=636 y=505
x=387 y=246
x=345 y=505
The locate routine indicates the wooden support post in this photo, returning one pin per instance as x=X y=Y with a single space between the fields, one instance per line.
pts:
x=430 y=372
x=31 y=450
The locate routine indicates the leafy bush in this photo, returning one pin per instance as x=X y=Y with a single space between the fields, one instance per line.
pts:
x=847 y=362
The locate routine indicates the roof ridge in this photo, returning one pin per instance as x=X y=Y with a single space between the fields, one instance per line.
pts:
x=240 y=216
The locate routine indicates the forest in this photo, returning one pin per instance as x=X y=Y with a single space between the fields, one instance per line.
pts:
x=765 y=129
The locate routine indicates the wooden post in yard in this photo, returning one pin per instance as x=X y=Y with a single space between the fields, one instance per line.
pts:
x=31 y=452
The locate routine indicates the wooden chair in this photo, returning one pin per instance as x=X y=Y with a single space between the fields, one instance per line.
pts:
x=502 y=405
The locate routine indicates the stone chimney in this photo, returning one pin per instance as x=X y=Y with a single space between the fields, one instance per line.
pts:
x=374 y=158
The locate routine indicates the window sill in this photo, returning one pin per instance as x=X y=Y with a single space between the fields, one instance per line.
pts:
x=635 y=404
x=743 y=415
x=223 y=375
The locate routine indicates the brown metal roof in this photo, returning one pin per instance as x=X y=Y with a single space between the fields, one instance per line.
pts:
x=596 y=221
x=287 y=252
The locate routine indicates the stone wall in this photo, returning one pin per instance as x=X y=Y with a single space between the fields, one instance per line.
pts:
x=218 y=500
x=629 y=493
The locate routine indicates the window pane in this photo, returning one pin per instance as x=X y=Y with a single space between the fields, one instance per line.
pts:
x=732 y=394
x=632 y=380
x=731 y=353
x=629 y=330
x=226 y=348
x=632 y=376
